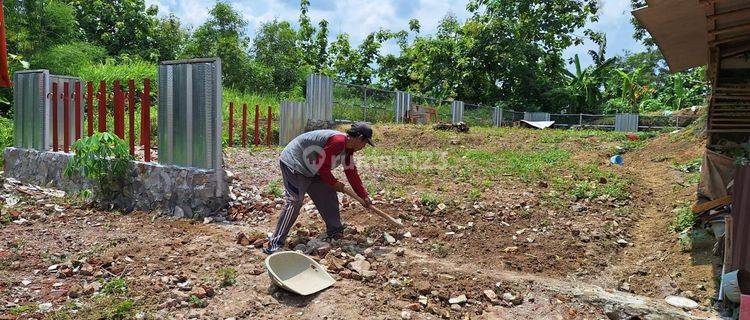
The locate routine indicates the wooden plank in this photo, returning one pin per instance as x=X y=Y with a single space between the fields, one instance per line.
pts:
x=731 y=14
x=731 y=29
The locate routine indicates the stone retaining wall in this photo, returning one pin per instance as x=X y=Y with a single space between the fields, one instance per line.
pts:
x=173 y=190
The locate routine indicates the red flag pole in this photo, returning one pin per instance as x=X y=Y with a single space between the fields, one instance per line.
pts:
x=4 y=76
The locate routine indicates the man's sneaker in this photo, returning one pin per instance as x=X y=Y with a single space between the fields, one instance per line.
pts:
x=267 y=250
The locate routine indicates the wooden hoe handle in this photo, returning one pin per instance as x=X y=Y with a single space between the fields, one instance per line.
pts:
x=373 y=208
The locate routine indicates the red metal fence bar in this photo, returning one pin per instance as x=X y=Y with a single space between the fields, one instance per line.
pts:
x=77 y=109
x=131 y=118
x=90 y=107
x=268 y=127
x=256 y=133
x=66 y=117
x=231 y=124
x=244 y=125
x=146 y=120
x=54 y=117
x=102 y=106
x=119 y=112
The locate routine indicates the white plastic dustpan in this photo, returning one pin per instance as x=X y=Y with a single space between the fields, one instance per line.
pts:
x=297 y=273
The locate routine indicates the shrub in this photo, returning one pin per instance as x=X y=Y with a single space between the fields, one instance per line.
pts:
x=68 y=59
x=102 y=158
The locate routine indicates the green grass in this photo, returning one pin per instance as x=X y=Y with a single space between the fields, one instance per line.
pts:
x=683 y=219
x=18 y=310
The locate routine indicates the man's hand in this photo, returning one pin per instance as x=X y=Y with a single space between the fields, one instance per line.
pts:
x=339 y=186
x=366 y=202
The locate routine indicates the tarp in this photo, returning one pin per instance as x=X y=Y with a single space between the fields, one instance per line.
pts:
x=717 y=171
x=537 y=124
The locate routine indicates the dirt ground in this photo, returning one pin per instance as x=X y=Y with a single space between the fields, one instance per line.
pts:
x=484 y=238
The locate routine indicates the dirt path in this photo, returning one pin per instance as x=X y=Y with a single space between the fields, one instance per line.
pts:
x=655 y=265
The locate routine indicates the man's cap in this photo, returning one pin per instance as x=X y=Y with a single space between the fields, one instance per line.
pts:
x=364 y=130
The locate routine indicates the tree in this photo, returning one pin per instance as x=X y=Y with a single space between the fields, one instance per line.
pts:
x=223 y=36
x=121 y=27
x=169 y=38
x=585 y=85
x=275 y=47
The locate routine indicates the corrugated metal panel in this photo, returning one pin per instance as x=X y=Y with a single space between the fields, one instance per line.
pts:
x=61 y=80
x=497 y=116
x=457 y=112
x=32 y=111
x=292 y=122
x=319 y=97
x=626 y=122
x=402 y=105
x=536 y=116
x=189 y=117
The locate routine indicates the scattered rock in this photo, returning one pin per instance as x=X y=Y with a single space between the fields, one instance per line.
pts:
x=400 y=252
x=242 y=239
x=359 y=266
x=198 y=292
x=490 y=295
x=406 y=315
x=389 y=238
x=457 y=300
x=86 y=270
x=510 y=249
x=681 y=302
x=44 y=307
x=423 y=300
x=622 y=242
x=577 y=207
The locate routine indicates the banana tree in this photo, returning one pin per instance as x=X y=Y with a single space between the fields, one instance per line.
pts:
x=585 y=85
x=632 y=91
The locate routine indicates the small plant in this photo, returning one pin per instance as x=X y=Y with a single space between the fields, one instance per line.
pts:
x=115 y=285
x=439 y=249
x=228 y=276
x=274 y=188
x=196 y=302
x=102 y=158
x=430 y=201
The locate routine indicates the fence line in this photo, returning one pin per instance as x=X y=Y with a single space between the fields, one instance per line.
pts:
x=352 y=102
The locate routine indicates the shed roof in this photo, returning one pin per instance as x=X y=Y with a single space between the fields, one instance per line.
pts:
x=684 y=30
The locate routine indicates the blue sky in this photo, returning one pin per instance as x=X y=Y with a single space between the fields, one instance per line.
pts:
x=360 y=17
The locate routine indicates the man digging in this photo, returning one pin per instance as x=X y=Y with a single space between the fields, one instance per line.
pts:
x=306 y=165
